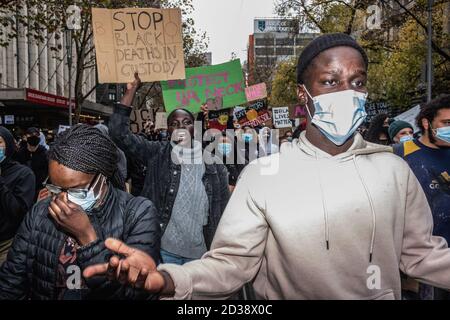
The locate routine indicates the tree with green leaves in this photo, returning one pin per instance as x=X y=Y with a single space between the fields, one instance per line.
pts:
x=284 y=84
x=48 y=17
x=396 y=46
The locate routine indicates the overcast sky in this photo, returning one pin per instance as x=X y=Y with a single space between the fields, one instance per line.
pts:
x=228 y=23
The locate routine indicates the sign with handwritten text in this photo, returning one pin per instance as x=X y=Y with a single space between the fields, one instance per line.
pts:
x=219 y=81
x=143 y=40
x=256 y=92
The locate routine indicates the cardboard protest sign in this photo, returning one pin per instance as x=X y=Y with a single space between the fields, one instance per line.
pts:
x=256 y=92
x=219 y=81
x=161 y=120
x=218 y=119
x=143 y=40
x=254 y=115
x=281 y=118
x=138 y=118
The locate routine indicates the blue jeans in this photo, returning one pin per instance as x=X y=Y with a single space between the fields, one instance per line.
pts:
x=168 y=257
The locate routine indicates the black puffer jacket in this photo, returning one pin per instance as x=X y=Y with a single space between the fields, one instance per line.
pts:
x=163 y=175
x=30 y=270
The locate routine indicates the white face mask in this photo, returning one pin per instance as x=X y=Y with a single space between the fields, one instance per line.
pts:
x=338 y=114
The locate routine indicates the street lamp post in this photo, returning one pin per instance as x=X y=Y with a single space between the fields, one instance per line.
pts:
x=430 y=51
x=68 y=39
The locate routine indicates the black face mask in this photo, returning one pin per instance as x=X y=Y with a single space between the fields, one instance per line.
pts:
x=33 y=141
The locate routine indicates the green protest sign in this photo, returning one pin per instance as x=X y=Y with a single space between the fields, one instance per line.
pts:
x=223 y=80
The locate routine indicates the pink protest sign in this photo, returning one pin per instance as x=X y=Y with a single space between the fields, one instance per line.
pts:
x=256 y=92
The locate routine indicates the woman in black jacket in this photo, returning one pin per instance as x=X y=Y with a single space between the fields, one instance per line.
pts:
x=16 y=192
x=64 y=233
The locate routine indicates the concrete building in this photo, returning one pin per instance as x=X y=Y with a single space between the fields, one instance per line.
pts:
x=34 y=81
x=274 y=40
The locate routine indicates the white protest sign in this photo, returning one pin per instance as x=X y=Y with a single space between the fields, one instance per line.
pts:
x=281 y=117
x=62 y=128
x=161 y=120
x=410 y=117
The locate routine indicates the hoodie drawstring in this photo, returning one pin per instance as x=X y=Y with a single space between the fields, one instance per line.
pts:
x=374 y=220
x=325 y=211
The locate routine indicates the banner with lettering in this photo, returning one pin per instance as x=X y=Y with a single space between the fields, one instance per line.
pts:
x=224 y=81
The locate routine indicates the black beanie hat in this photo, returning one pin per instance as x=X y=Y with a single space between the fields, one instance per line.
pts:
x=323 y=43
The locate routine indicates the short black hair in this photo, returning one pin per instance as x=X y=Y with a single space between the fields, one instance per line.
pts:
x=33 y=130
x=429 y=110
x=179 y=109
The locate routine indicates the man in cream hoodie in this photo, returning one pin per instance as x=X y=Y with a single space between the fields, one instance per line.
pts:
x=350 y=216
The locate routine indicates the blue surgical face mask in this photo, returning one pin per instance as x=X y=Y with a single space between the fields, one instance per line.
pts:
x=338 y=114
x=443 y=134
x=224 y=148
x=86 y=203
x=406 y=138
x=248 y=137
x=2 y=153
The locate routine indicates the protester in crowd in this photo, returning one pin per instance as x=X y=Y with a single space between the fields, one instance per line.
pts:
x=378 y=130
x=400 y=131
x=358 y=216
x=429 y=159
x=288 y=135
x=65 y=233
x=189 y=194
x=225 y=147
x=42 y=140
x=34 y=156
x=122 y=160
x=246 y=147
x=17 y=183
x=267 y=142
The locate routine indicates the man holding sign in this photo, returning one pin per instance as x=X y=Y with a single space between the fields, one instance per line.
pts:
x=190 y=195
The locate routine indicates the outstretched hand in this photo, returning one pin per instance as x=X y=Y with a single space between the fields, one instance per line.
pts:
x=136 y=269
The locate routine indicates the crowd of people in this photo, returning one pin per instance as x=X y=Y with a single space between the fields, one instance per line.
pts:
x=103 y=213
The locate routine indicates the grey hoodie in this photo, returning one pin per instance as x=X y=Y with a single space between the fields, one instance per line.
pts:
x=303 y=224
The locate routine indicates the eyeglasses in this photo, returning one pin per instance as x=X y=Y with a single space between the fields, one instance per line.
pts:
x=78 y=193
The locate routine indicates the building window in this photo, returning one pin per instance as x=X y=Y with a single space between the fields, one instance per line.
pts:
x=285 y=51
x=266 y=61
x=264 y=41
x=285 y=42
x=264 y=51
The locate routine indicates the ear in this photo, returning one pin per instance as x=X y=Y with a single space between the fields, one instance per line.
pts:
x=425 y=124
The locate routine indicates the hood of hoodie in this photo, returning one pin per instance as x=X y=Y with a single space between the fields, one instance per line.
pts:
x=9 y=140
